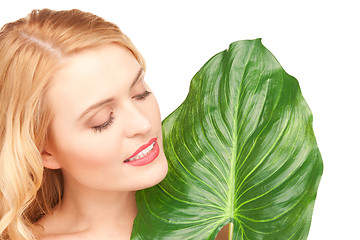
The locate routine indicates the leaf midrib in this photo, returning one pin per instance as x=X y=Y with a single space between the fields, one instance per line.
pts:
x=231 y=203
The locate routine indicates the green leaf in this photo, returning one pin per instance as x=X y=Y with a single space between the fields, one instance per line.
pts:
x=241 y=149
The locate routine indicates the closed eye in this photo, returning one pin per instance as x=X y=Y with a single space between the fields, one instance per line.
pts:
x=104 y=125
x=142 y=96
x=108 y=123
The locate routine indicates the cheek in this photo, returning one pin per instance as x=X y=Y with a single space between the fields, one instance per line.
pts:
x=84 y=153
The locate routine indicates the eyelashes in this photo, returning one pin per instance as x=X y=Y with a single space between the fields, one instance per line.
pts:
x=104 y=125
x=142 y=96
x=109 y=122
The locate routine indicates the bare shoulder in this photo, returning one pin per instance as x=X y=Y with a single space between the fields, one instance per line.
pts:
x=52 y=231
x=55 y=228
x=61 y=237
x=51 y=227
x=45 y=226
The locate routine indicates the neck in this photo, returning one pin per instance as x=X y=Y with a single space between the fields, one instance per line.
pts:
x=93 y=210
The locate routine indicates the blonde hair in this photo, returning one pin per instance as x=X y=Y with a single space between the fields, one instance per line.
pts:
x=30 y=51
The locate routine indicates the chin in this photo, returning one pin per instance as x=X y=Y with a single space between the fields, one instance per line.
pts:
x=154 y=175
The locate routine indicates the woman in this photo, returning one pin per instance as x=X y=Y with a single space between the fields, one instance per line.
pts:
x=80 y=129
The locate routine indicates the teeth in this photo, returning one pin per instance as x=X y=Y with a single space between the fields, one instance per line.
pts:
x=142 y=153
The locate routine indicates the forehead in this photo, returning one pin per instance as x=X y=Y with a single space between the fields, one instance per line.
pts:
x=91 y=75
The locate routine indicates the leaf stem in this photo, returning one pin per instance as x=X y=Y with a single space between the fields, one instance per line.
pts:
x=231 y=230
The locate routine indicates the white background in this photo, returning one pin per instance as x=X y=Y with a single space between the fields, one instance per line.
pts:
x=315 y=41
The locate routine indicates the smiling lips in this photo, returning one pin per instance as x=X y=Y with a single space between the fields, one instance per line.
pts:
x=145 y=154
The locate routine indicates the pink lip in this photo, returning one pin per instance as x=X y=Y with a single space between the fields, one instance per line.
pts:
x=148 y=158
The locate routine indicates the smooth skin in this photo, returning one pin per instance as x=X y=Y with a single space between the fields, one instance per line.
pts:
x=102 y=114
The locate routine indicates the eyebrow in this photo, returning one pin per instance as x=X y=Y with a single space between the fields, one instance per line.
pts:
x=108 y=100
x=141 y=70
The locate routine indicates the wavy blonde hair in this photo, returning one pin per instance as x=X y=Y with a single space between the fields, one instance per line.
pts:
x=30 y=51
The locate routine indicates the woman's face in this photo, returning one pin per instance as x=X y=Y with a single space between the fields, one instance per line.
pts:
x=103 y=114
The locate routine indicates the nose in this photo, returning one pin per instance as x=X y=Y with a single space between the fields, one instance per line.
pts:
x=137 y=121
